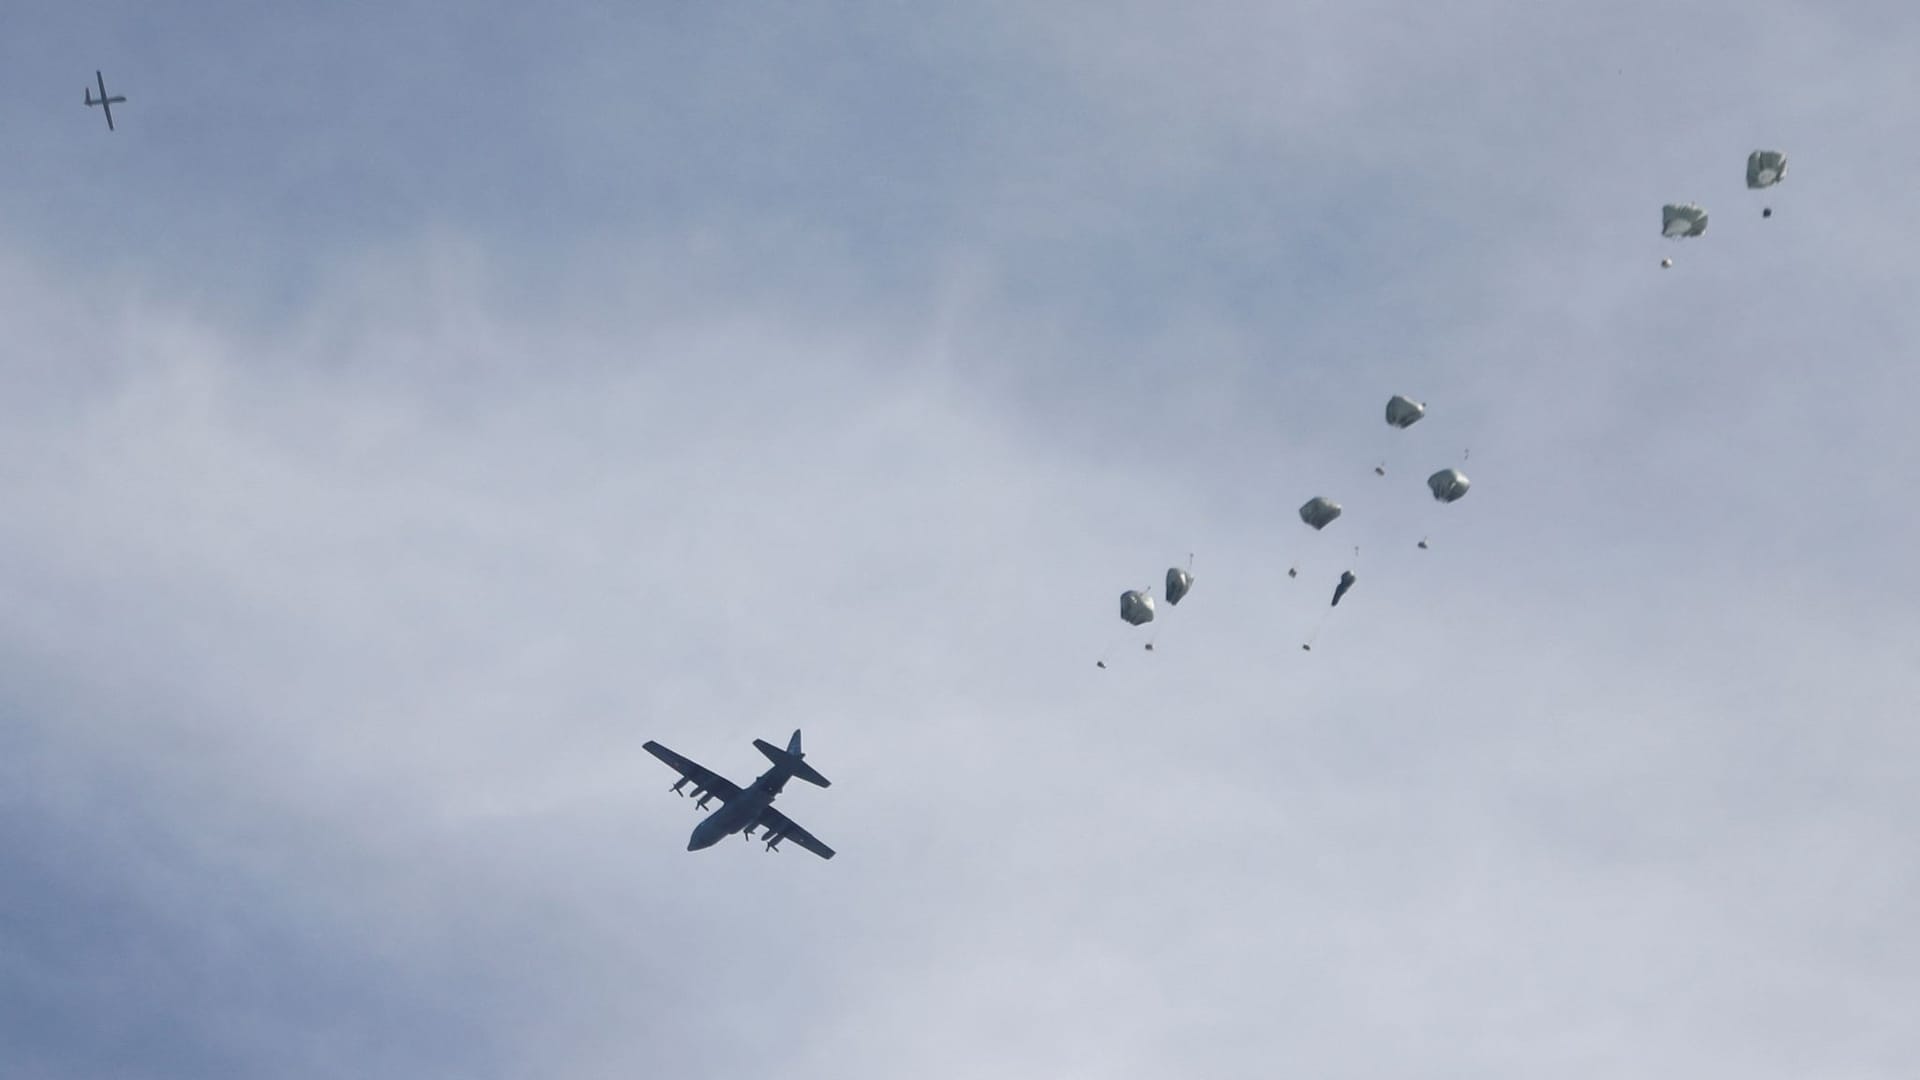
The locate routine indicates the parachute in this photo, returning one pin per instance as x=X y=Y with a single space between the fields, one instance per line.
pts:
x=1179 y=583
x=1448 y=485
x=1319 y=512
x=1136 y=608
x=1766 y=168
x=1404 y=412
x=1678 y=221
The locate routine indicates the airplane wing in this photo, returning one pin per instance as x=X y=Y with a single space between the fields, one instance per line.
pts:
x=783 y=826
x=723 y=789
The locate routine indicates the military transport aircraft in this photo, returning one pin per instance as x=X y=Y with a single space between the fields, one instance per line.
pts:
x=744 y=809
x=106 y=103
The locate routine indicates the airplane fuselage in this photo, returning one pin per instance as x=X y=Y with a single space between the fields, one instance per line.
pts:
x=742 y=813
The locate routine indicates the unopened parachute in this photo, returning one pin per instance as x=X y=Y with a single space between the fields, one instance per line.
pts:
x=1346 y=582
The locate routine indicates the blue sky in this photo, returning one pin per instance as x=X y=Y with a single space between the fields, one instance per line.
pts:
x=410 y=413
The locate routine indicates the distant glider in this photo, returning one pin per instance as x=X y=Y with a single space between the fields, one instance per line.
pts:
x=106 y=103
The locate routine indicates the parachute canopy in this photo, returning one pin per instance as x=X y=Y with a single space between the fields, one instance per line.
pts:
x=1346 y=582
x=1319 y=511
x=1136 y=607
x=1682 y=220
x=1179 y=583
x=1404 y=412
x=1766 y=168
x=1448 y=485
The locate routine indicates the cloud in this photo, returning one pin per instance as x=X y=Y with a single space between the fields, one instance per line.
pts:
x=339 y=601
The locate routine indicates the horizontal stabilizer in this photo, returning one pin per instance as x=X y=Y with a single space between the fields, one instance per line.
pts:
x=790 y=760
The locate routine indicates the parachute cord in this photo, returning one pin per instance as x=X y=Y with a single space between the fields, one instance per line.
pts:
x=1313 y=636
x=1434 y=505
x=1153 y=638
x=1159 y=623
x=1430 y=517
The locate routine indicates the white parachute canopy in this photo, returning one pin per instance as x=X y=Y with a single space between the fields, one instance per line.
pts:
x=1448 y=485
x=1136 y=607
x=1404 y=412
x=1319 y=512
x=1680 y=220
x=1766 y=168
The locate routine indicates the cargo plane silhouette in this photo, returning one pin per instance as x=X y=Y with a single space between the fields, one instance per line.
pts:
x=744 y=809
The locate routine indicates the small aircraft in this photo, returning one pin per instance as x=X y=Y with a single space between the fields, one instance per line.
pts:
x=744 y=809
x=106 y=103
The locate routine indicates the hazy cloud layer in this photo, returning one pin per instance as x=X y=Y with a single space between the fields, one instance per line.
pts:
x=389 y=457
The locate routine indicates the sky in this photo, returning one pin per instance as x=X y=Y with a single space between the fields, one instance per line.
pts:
x=408 y=412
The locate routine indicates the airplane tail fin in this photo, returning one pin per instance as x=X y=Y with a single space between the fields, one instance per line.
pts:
x=791 y=759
